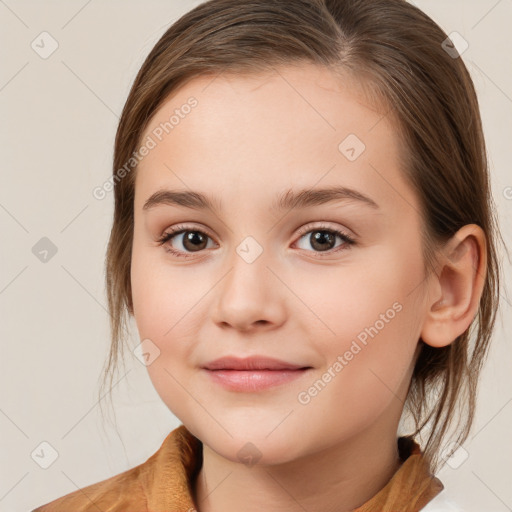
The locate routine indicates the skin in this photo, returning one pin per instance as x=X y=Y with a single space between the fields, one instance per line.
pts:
x=249 y=139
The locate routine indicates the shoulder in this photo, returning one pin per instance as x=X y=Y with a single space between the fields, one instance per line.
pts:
x=122 y=492
x=166 y=472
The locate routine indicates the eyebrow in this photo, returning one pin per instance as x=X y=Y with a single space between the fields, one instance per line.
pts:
x=286 y=201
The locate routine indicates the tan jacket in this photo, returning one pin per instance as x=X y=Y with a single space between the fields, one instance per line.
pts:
x=164 y=483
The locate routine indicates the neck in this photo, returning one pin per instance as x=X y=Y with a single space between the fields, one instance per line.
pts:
x=339 y=478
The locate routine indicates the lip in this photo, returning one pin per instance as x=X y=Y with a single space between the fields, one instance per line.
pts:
x=251 y=363
x=252 y=374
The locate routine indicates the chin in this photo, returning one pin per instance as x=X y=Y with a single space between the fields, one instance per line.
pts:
x=252 y=444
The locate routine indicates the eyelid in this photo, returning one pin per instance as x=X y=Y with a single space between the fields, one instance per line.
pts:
x=310 y=226
x=177 y=229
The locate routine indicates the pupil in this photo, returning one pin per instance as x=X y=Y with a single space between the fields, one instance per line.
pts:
x=322 y=238
x=195 y=238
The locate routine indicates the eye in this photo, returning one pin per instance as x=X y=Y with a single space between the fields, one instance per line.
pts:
x=322 y=238
x=193 y=241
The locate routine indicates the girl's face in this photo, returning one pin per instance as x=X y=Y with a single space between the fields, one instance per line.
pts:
x=262 y=271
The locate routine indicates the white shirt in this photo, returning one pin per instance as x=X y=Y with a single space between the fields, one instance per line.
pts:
x=443 y=502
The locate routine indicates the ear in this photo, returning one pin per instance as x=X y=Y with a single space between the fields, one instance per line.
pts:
x=455 y=290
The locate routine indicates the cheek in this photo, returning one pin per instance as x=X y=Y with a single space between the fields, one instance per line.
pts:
x=366 y=372
x=157 y=313
x=354 y=302
x=167 y=313
x=372 y=322
x=164 y=297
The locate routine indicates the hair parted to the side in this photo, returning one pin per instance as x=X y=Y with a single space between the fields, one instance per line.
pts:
x=396 y=51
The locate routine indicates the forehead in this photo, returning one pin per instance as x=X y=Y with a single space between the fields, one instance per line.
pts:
x=311 y=91
x=294 y=125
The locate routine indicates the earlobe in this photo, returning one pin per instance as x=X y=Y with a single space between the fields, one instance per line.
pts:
x=456 y=291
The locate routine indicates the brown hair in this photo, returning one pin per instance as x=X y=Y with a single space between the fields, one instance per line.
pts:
x=395 y=50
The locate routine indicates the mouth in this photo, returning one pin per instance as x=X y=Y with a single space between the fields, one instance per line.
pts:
x=252 y=374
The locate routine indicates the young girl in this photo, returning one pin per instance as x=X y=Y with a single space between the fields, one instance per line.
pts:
x=305 y=237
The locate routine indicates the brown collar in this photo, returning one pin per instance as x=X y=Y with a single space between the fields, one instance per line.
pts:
x=167 y=477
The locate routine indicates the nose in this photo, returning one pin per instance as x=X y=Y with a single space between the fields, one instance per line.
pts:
x=250 y=296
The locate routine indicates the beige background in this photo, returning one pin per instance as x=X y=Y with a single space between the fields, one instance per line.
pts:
x=59 y=117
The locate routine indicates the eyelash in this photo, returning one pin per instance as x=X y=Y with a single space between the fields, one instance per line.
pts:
x=348 y=240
